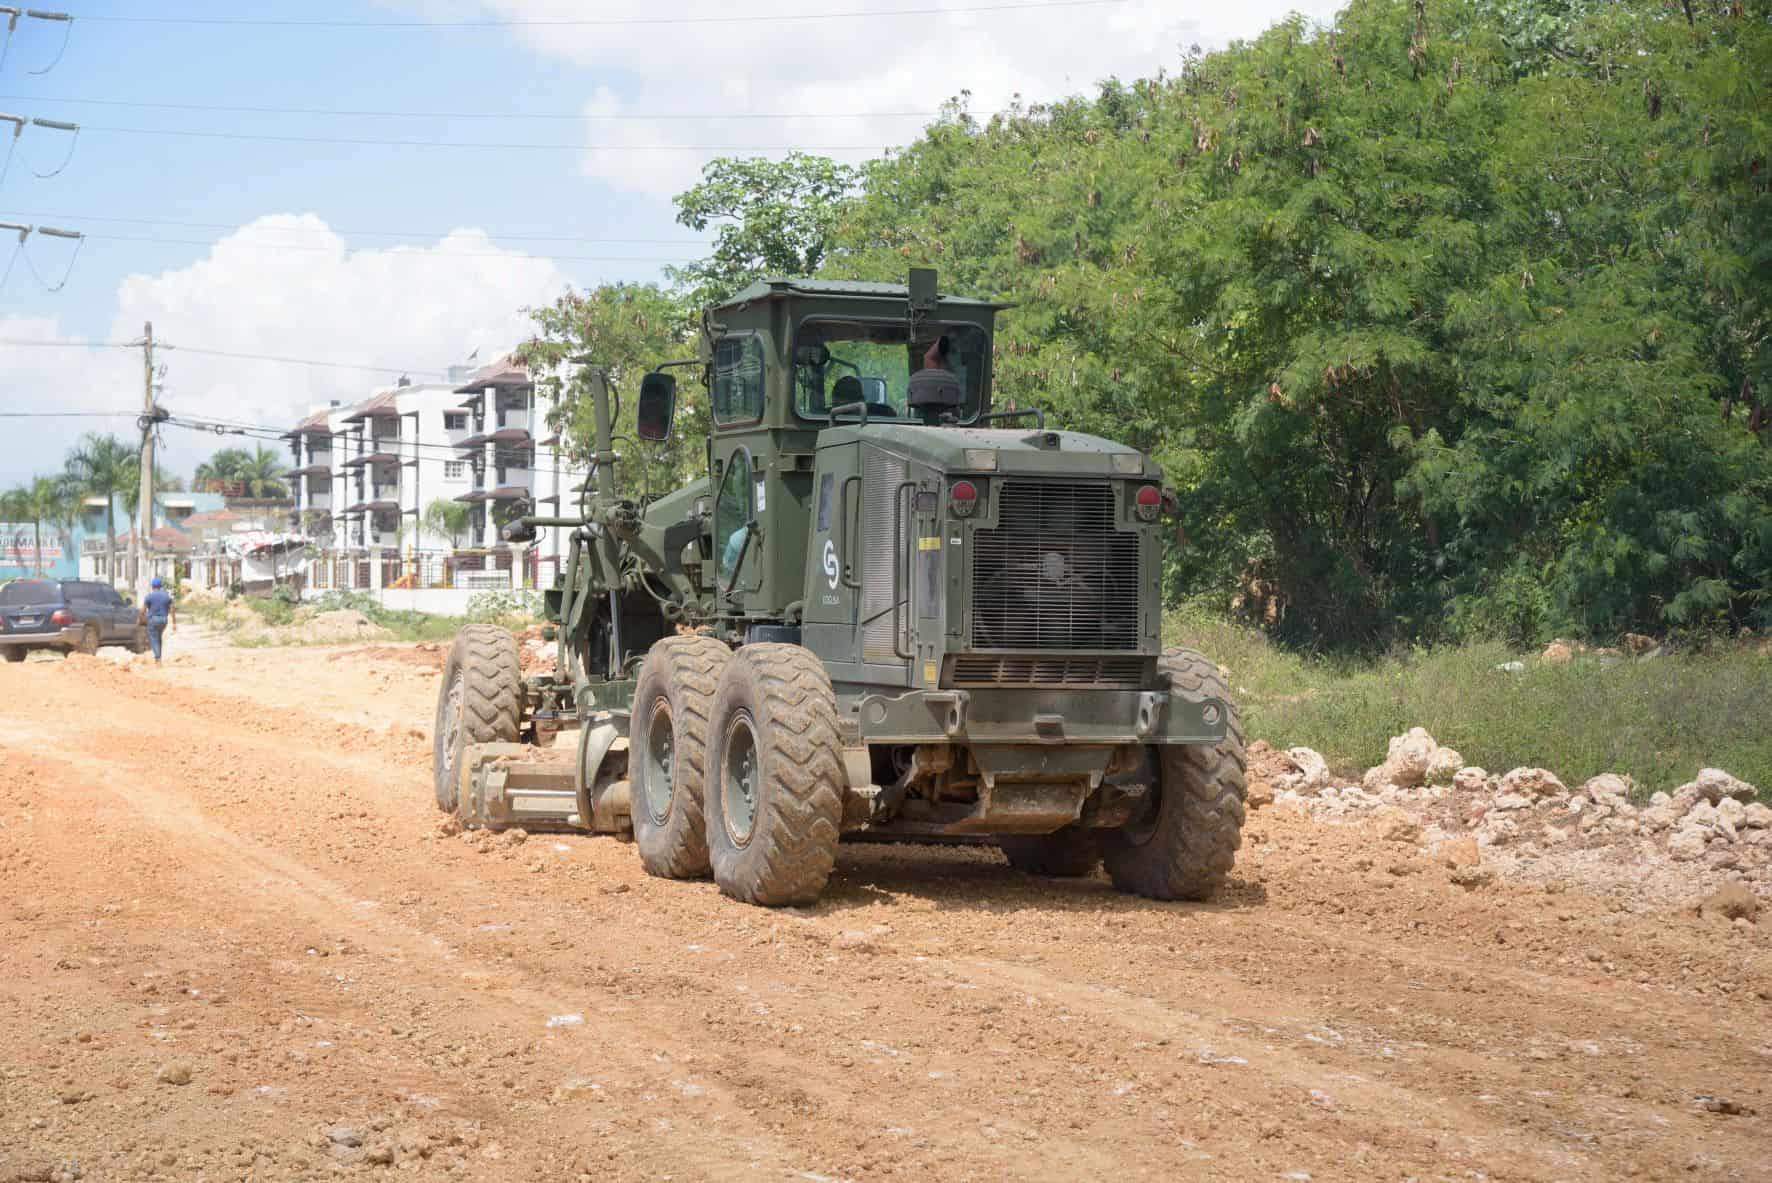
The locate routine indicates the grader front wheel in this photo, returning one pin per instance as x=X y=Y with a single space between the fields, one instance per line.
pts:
x=481 y=701
x=1183 y=842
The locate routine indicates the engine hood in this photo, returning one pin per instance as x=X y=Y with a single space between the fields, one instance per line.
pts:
x=1016 y=449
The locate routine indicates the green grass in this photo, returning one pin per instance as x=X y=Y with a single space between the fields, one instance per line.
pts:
x=1659 y=720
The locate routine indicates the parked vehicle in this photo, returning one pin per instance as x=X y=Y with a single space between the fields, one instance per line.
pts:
x=66 y=614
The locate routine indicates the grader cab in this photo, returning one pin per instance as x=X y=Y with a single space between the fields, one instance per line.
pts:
x=889 y=611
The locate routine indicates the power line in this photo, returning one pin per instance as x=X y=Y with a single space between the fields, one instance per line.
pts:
x=606 y=22
x=614 y=117
x=401 y=445
x=506 y=146
x=28 y=344
x=405 y=252
x=67 y=414
x=422 y=234
x=298 y=361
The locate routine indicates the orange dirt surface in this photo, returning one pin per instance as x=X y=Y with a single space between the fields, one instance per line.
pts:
x=235 y=943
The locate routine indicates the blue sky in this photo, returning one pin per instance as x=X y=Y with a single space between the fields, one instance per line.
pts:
x=300 y=280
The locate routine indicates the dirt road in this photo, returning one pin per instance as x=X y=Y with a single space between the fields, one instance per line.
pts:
x=235 y=944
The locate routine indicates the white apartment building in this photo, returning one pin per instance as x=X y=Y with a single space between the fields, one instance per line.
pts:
x=365 y=475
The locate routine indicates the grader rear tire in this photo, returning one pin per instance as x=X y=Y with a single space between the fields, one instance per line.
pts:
x=775 y=777
x=1064 y=854
x=481 y=701
x=667 y=754
x=1182 y=846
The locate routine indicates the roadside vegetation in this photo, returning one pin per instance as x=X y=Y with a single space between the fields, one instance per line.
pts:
x=280 y=619
x=1659 y=719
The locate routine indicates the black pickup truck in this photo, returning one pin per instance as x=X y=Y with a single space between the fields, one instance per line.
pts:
x=68 y=615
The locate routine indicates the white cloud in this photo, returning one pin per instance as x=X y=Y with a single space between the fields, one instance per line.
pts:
x=815 y=68
x=283 y=285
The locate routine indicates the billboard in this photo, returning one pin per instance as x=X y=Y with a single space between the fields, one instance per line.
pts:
x=18 y=546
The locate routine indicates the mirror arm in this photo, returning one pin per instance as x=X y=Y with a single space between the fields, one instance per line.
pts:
x=846 y=407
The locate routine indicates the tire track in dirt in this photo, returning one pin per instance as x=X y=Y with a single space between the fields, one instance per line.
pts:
x=890 y=1027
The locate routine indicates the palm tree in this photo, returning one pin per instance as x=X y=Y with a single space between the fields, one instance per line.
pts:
x=104 y=466
x=221 y=468
x=260 y=471
x=13 y=512
x=448 y=518
x=48 y=500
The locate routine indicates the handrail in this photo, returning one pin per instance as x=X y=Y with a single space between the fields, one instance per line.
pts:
x=860 y=406
x=744 y=548
x=1039 y=414
x=844 y=566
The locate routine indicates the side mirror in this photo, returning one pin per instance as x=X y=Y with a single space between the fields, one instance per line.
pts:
x=658 y=404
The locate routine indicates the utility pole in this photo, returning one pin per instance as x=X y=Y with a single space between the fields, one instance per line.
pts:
x=144 y=528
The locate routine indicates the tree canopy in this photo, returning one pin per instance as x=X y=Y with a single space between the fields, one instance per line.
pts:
x=1449 y=318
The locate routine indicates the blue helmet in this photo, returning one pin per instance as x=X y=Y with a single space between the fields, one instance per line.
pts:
x=155 y=582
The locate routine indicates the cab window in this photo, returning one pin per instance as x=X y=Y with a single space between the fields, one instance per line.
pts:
x=838 y=363
x=738 y=379
x=732 y=509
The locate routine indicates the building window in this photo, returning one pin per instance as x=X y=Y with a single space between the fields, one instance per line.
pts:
x=455 y=470
x=455 y=420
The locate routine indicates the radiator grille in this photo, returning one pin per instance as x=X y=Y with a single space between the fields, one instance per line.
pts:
x=1055 y=573
x=1105 y=673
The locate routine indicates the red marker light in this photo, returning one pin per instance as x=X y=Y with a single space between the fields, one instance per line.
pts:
x=963 y=498
x=1146 y=501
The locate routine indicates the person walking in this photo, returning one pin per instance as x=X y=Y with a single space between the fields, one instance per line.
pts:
x=157 y=614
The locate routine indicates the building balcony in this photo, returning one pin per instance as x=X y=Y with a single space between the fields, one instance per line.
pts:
x=318 y=501
x=513 y=420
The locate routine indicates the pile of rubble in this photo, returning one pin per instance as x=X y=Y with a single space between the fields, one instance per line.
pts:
x=1527 y=823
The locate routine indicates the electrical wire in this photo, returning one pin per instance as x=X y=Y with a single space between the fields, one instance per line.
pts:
x=508 y=146
x=25 y=343
x=404 y=448
x=67 y=35
x=605 y=22
x=295 y=361
x=73 y=143
x=503 y=116
x=66 y=275
x=404 y=252
x=419 y=234
x=67 y=414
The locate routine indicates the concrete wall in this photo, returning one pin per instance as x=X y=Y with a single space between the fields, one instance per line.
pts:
x=437 y=601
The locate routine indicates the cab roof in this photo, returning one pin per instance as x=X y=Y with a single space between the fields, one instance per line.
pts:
x=780 y=287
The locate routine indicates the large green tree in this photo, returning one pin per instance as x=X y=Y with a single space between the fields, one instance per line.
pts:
x=1451 y=316
x=624 y=329
x=774 y=217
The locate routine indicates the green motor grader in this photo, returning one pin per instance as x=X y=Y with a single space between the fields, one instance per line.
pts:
x=889 y=612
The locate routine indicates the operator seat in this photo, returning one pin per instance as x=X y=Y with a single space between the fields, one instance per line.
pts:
x=848 y=389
